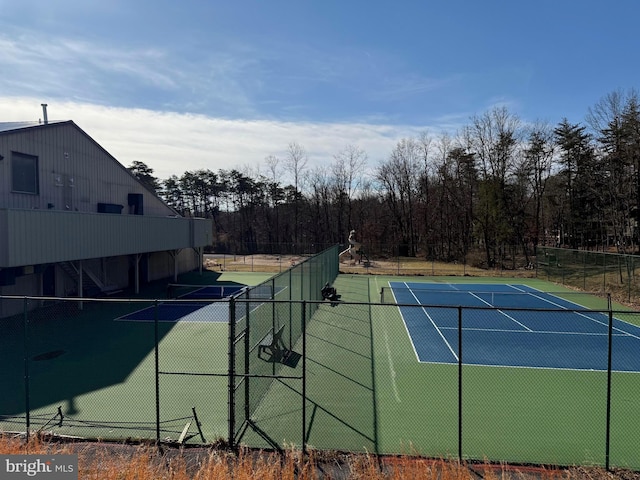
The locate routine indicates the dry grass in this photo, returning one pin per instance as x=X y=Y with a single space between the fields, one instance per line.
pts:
x=394 y=266
x=104 y=461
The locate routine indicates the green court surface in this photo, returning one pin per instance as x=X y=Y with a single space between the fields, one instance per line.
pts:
x=366 y=391
x=99 y=373
x=365 y=388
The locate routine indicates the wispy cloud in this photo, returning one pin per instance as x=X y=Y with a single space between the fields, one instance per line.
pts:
x=67 y=67
x=172 y=143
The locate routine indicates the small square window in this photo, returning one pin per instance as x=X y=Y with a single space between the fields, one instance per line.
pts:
x=24 y=173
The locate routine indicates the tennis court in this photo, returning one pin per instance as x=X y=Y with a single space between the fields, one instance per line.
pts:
x=195 y=303
x=368 y=378
x=383 y=378
x=503 y=328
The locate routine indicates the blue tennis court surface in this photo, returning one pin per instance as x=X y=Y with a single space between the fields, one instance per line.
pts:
x=205 y=304
x=512 y=326
x=194 y=305
x=181 y=311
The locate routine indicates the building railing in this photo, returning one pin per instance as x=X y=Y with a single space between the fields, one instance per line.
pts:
x=31 y=237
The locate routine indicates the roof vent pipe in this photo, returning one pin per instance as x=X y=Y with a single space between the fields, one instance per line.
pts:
x=44 y=113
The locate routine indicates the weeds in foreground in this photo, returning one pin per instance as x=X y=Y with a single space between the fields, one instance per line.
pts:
x=104 y=461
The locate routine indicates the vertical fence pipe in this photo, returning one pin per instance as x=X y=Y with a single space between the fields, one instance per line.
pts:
x=27 y=407
x=548 y=268
x=630 y=270
x=304 y=379
x=157 y=367
x=301 y=277
x=604 y=272
x=232 y=372
x=247 y=367
x=460 y=383
x=290 y=291
x=608 y=432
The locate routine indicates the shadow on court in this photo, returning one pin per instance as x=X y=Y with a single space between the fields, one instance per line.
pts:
x=340 y=409
x=89 y=372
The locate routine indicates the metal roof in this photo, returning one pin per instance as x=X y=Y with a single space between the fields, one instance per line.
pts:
x=9 y=126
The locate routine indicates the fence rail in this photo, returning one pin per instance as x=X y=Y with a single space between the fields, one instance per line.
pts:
x=592 y=271
x=348 y=376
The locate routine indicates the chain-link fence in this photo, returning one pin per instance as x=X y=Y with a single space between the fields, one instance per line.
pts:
x=388 y=259
x=556 y=386
x=591 y=271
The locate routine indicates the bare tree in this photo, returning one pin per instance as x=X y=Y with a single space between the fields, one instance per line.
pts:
x=494 y=139
x=296 y=163
x=424 y=145
x=538 y=154
x=321 y=225
x=398 y=178
x=347 y=168
x=615 y=120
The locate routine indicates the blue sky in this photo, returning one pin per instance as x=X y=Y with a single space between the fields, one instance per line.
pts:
x=212 y=84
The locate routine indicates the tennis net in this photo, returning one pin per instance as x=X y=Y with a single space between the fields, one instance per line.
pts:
x=202 y=292
x=492 y=298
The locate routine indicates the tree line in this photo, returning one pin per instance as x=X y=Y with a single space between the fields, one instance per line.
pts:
x=496 y=182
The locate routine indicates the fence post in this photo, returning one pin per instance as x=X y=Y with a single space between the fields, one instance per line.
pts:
x=460 y=383
x=247 y=366
x=303 y=319
x=157 y=367
x=610 y=337
x=232 y=371
x=584 y=270
x=290 y=291
x=629 y=264
x=26 y=366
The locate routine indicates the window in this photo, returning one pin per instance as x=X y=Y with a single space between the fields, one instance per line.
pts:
x=24 y=173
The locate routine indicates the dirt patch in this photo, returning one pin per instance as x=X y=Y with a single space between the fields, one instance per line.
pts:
x=393 y=266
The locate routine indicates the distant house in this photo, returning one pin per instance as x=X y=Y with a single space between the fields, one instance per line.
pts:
x=75 y=222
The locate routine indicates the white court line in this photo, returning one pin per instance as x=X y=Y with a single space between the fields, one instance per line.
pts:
x=606 y=324
x=434 y=325
x=622 y=334
x=537 y=332
x=476 y=296
x=503 y=313
x=392 y=369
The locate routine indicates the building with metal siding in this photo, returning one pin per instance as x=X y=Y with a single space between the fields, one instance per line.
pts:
x=76 y=222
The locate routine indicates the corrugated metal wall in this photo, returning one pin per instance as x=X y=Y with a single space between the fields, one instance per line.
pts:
x=29 y=237
x=61 y=222
x=75 y=173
